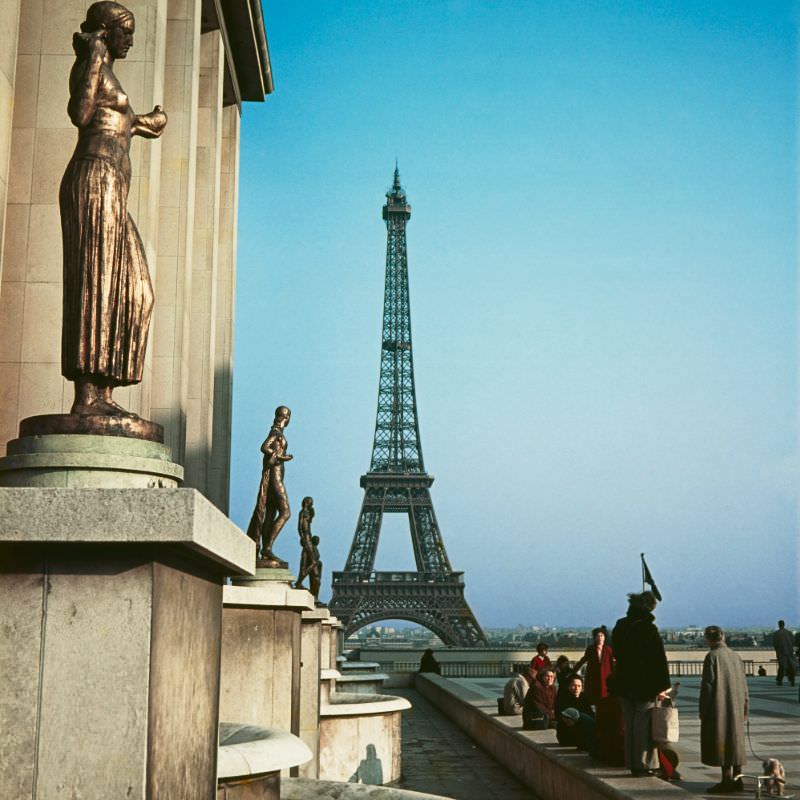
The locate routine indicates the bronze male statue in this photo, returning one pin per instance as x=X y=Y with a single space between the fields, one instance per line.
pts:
x=310 y=564
x=272 y=504
x=108 y=297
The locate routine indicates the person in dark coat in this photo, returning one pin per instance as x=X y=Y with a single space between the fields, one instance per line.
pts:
x=783 y=642
x=571 y=696
x=564 y=672
x=579 y=728
x=723 y=710
x=428 y=663
x=539 y=708
x=641 y=677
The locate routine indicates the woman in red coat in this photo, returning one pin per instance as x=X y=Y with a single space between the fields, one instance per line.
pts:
x=599 y=660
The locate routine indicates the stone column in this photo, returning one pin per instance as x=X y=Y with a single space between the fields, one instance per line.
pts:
x=112 y=607
x=169 y=341
x=219 y=465
x=9 y=24
x=202 y=327
x=42 y=142
x=310 y=644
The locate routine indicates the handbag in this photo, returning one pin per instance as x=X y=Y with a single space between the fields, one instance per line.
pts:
x=535 y=722
x=664 y=724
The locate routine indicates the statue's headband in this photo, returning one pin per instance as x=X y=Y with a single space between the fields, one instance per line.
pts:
x=105 y=14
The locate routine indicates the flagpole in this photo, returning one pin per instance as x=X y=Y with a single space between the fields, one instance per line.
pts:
x=641 y=556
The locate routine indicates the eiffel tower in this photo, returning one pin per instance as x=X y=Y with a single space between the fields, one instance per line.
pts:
x=397 y=483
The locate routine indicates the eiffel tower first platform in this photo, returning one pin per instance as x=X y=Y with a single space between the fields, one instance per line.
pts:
x=397 y=483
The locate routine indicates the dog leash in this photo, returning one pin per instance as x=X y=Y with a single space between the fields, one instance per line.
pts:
x=750 y=742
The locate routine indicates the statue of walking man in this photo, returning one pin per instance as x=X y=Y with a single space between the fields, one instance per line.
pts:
x=272 y=504
x=310 y=564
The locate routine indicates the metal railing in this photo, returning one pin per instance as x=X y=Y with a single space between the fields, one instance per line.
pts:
x=686 y=669
x=399 y=577
x=502 y=669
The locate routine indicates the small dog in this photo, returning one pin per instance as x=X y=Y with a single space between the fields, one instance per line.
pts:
x=775 y=776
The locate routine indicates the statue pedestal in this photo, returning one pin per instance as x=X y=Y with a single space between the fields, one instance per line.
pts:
x=310 y=673
x=264 y=577
x=88 y=461
x=112 y=630
x=251 y=760
x=261 y=655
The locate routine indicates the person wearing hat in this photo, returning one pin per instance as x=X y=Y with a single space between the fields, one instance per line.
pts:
x=723 y=709
x=579 y=728
x=640 y=678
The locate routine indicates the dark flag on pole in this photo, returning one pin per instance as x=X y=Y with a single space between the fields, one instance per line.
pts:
x=647 y=578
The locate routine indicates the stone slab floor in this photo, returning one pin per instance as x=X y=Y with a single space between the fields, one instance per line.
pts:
x=774 y=730
x=440 y=758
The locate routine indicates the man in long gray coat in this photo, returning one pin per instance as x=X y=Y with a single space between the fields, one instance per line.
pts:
x=783 y=642
x=723 y=711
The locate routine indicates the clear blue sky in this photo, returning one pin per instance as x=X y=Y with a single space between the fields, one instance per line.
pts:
x=602 y=253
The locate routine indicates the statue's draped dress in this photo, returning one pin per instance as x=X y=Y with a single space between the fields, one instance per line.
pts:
x=108 y=297
x=271 y=493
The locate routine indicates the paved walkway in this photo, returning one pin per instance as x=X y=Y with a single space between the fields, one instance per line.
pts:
x=441 y=759
x=774 y=730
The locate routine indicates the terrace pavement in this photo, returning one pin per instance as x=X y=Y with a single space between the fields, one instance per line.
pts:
x=439 y=758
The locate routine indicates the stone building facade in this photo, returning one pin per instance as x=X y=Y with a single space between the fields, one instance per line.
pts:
x=200 y=60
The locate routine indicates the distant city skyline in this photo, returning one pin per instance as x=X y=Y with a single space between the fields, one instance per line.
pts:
x=602 y=257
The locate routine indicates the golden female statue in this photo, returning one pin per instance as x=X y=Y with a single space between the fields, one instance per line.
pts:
x=108 y=297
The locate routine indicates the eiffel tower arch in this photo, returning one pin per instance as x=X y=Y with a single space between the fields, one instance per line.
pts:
x=397 y=483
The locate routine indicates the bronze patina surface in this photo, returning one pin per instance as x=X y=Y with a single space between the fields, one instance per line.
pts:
x=272 y=504
x=108 y=296
x=310 y=564
x=93 y=424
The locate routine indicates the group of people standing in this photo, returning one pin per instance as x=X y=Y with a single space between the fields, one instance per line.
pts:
x=608 y=712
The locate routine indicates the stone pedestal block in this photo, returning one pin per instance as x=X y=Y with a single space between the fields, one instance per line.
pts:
x=336 y=640
x=251 y=760
x=310 y=639
x=260 y=682
x=327 y=650
x=82 y=461
x=327 y=685
x=360 y=738
x=112 y=607
x=264 y=576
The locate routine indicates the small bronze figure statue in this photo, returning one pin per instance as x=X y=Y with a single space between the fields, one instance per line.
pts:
x=310 y=564
x=272 y=504
x=108 y=297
